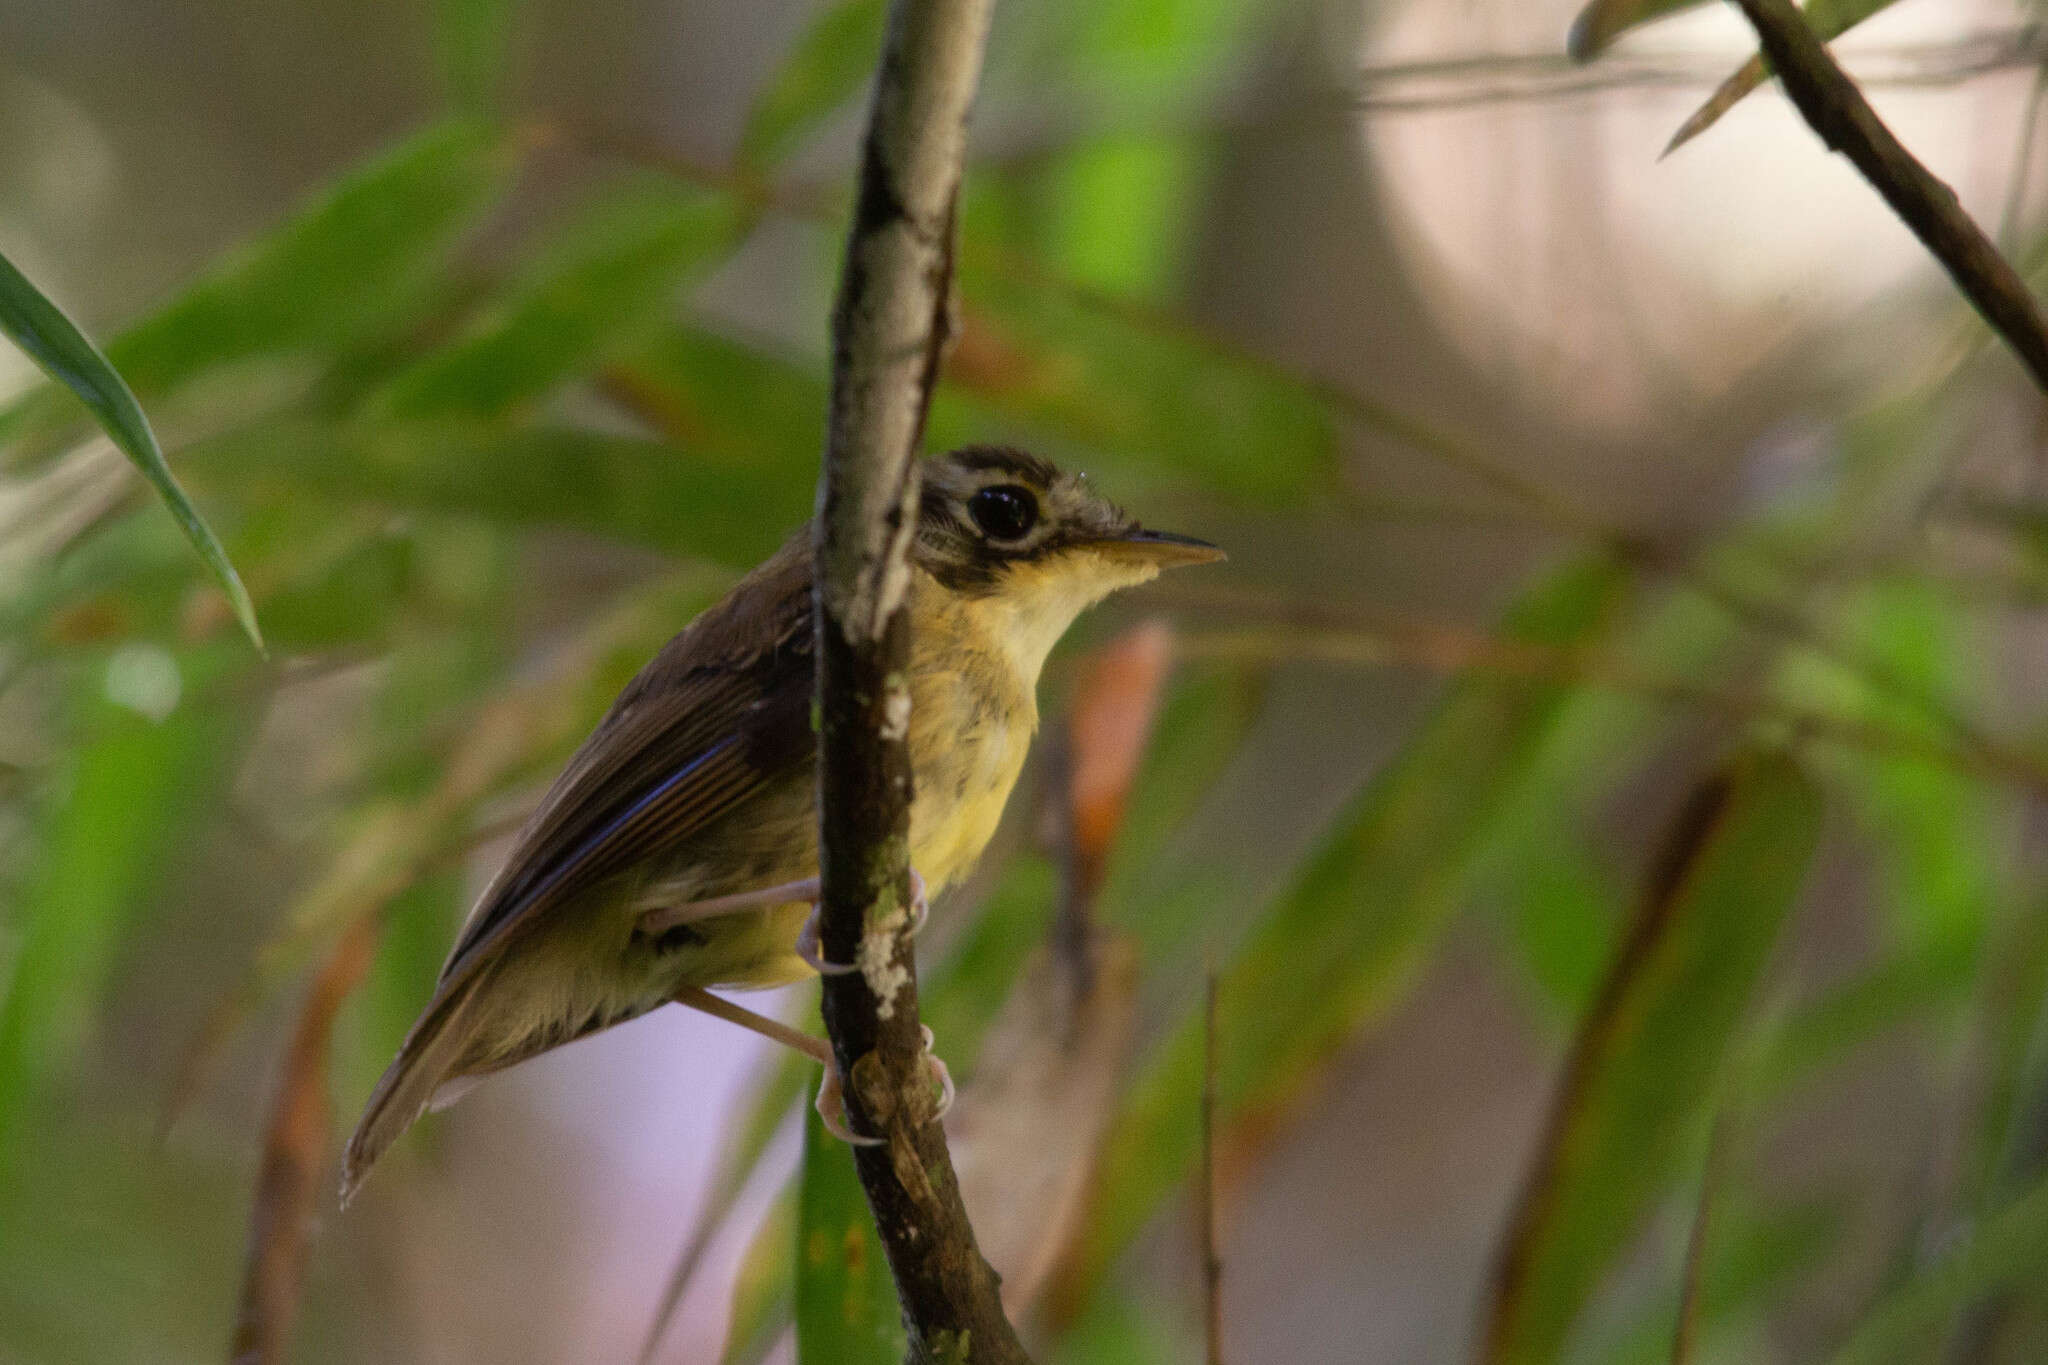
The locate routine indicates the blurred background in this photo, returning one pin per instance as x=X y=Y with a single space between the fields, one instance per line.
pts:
x=1606 y=777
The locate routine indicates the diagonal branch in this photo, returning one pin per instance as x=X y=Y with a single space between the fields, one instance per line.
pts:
x=1837 y=111
x=888 y=330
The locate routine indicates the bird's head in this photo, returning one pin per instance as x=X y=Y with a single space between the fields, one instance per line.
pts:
x=1017 y=535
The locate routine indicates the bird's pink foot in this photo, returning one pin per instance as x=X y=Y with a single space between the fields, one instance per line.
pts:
x=812 y=952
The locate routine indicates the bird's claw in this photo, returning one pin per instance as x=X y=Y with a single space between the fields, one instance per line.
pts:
x=811 y=949
x=812 y=952
x=920 y=909
x=831 y=1107
x=831 y=1101
x=947 y=1093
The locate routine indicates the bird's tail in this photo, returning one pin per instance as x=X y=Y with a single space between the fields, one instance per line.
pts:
x=438 y=1043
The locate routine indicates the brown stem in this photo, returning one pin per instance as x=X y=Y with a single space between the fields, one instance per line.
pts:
x=1836 y=110
x=889 y=328
x=1212 y=1254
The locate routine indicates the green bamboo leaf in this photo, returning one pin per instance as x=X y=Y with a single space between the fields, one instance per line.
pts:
x=472 y=41
x=1602 y=21
x=964 y=992
x=1758 y=1254
x=1115 y=214
x=1918 y=982
x=416 y=927
x=1345 y=940
x=763 y=1287
x=134 y=787
x=2009 y=1250
x=1152 y=52
x=68 y=356
x=1562 y=901
x=712 y=395
x=719 y=397
x=339 y=581
x=1939 y=837
x=830 y=64
x=84 y=1204
x=593 y=295
x=618 y=487
x=1168 y=403
x=1563 y=911
x=846 y=1311
x=1829 y=18
x=1648 y=1052
x=349 y=264
x=1209 y=709
x=1123 y=1331
x=1118 y=213
x=342 y=266
x=2008 y=1020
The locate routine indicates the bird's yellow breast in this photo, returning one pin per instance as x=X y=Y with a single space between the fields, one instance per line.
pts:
x=972 y=715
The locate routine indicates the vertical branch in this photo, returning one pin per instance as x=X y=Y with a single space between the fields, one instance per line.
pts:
x=888 y=330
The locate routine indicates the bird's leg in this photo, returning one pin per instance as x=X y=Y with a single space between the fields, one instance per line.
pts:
x=831 y=1092
x=831 y=1102
x=812 y=952
x=656 y=922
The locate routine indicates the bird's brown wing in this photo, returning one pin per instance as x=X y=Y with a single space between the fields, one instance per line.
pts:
x=721 y=714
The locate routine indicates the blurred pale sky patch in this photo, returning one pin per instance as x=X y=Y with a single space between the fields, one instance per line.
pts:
x=1561 y=248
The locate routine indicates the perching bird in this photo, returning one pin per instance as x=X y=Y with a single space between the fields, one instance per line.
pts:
x=678 y=851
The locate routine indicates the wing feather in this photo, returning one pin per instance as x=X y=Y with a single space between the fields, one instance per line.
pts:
x=720 y=715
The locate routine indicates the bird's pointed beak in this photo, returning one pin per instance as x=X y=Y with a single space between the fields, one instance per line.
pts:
x=1163 y=548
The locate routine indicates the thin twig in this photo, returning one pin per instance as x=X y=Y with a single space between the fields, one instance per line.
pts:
x=889 y=328
x=2023 y=162
x=294 y=1154
x=1212 y=1256
x=1836 y=110
x=1686 y=843
x=1692 y=1282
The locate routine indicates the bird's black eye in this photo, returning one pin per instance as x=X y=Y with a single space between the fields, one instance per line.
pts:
x=1005 y=512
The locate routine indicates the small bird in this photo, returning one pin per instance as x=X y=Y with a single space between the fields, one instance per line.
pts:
x=678 y=851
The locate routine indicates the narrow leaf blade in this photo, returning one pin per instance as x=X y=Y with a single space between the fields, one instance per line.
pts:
x=846 y=1311
x=354 y=262
x=1648 y=1051
x=1345 y=939
x=68 y=356
x=2007 y=1250
x=104 y=847
x=472 y=40
x=831 y=62
x=596 y=293
x=1829 y=18
x=1602 y=21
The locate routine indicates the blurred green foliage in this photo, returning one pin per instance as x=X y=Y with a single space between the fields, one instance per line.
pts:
x=477 y=443
x=845 y=1301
